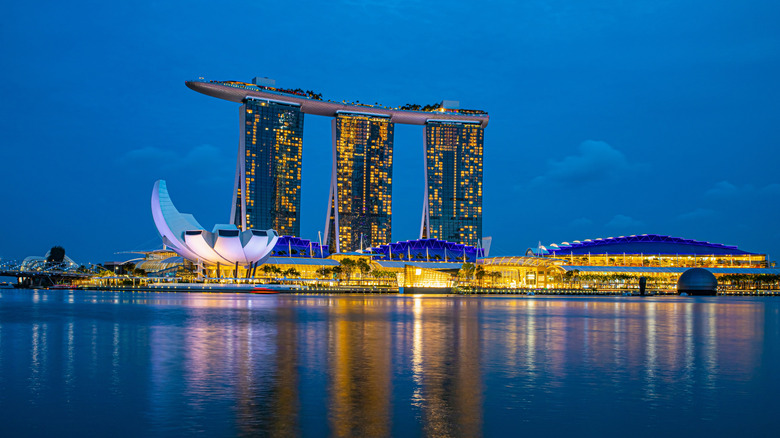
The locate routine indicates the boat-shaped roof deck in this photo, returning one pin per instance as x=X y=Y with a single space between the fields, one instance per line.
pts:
x=311 y=103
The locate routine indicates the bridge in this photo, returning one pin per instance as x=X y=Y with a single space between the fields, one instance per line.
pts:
x=40 y=273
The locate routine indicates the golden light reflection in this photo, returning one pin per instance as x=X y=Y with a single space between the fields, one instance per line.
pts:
x=417 y=369
x=360 y=368
x=446 y=365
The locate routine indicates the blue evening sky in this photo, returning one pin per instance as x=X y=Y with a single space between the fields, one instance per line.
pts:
x=607 y=118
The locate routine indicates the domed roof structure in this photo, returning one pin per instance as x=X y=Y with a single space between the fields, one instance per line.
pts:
x=697 y=281
x=642 y=244
x=224 y=244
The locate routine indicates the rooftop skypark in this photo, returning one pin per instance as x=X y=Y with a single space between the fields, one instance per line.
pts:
x=311 y=95
x=296 y=92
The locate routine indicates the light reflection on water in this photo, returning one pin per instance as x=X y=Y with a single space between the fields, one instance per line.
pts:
x=140 y=364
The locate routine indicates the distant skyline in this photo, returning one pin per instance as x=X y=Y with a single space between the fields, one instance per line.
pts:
x=606 y=119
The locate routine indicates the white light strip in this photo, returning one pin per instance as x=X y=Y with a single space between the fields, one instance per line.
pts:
x=271 y=100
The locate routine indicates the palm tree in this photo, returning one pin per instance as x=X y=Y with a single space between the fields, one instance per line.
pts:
x=570 y=277
x=383 y=274
x=467 y=271
x=479 y=273
x=267 y=270
x=292 y=273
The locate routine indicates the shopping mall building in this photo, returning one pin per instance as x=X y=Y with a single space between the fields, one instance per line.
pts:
x=619 y=262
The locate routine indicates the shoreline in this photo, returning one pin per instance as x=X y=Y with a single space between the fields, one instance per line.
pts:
x=357 y=290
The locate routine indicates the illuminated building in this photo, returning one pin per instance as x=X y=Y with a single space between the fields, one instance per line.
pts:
x=617 y=263
x=267 y=191
x=159 y=260
x=359 y=209
x=453 y=172
x=312 y=103
x=427 y=250
x=225 y=244
x=604 y=266
x=361 y=187
x=415 y=279
x=291 y=246
x=652 y=250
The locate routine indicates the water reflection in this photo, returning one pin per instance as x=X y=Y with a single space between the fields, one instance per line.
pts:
x=451 y=383
x=380 y=366
x=359 y=367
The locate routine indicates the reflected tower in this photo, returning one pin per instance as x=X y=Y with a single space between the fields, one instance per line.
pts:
x=360 y=369
x=452 y=208
x=359 y=203
x=445 y=366
x=267 y=191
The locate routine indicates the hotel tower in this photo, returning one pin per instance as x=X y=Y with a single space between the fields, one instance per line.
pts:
x=267 y=190
x=361 y=186
x=452 y=205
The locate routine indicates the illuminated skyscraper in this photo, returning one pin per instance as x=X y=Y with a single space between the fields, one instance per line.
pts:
x=267 y=193
x=452 y=209
x=268 y=178
x=360 y=204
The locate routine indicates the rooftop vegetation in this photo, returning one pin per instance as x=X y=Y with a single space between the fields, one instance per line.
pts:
x=309 y=94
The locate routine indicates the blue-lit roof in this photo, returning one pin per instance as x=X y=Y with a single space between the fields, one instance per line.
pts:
x=643 y=244
x=300 y=261
x=427 y=250
x=287 y=246
x=424 y=265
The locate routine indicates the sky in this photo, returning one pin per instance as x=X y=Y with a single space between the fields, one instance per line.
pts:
x=607 y=118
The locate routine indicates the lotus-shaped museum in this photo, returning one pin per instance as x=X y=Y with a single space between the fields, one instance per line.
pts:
x=224 y=244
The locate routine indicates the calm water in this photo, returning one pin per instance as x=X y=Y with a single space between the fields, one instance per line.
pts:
x=172 y=364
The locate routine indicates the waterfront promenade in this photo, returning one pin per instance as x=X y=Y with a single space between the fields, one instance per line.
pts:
x=309 y=289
